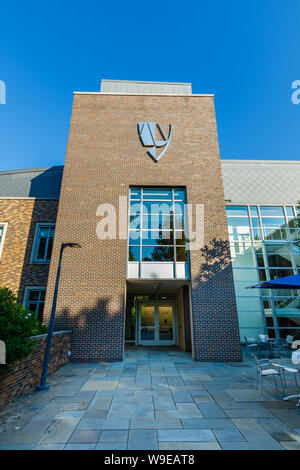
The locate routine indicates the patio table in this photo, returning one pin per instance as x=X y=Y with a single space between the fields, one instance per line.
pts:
x=287 y=363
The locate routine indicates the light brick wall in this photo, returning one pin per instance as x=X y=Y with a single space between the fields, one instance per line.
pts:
x=104 y=157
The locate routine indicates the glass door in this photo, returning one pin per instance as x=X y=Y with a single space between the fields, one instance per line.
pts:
x=156 y=325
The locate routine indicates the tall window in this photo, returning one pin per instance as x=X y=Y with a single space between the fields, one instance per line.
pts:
x=34 y=300
x=157 y=234
x=43 y=243
x=157 y=229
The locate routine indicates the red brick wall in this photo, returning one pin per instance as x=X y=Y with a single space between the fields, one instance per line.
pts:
x=104 y=157
x=26 y=374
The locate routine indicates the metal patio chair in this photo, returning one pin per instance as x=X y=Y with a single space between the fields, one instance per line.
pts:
x=251 y=343
x=262 y=371
x=280 y=348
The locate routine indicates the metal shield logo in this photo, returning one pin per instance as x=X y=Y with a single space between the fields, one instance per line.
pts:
x=147 y=134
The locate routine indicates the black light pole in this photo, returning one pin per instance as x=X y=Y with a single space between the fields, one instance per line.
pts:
x=44 y=385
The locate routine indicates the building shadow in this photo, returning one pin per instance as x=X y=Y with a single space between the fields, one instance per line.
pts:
x=45 y=188
x=97 y=332
x=215 y=322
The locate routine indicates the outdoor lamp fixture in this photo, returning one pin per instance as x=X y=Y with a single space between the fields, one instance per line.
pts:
x=44 y=385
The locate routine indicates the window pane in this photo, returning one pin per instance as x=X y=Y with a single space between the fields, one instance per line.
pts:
x=272 y=222
x=134 y=237
x=157 y=222
x=260 y=261
x=135 y=207
x=237 y=210
x=276 y=273
x=254 y=211
x=151 y=253
x=262 y=274
x=179 y=207
x=257 y=234
x=157 y=194
x=135 y=221
x=179 y=194
x=157 y=237
x=293 y=223
x=147 y=334
x=43 y=231
x=289 y=212
x=275 y=234
x=181 y=253
x=277 y=247
x=283 y=261
x=179 y=222
x=43 y=295
x=165 y=334
x=34 y=295
x=147 y=315
x=295 y=234
x=180 y=237
x=239 y=228
x=164 y=207
x=134 y=253
x=32 y=307
x=135 y=193
x=271 y=211
x=49 y=249
x=41 y=249
x=255 y=222
x=238 y=221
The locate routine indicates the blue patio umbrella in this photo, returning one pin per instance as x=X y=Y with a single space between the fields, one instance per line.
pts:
x=288 y=282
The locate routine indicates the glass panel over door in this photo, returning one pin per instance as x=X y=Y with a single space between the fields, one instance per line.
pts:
x=165 y=313
x=147 y=322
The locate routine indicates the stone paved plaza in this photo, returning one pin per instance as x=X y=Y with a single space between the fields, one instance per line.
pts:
x=155 y=399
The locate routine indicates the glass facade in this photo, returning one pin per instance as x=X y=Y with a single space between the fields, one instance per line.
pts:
x=157 y=228
x=265 y=245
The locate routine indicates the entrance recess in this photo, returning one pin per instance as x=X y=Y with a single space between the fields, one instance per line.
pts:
x=156 y=326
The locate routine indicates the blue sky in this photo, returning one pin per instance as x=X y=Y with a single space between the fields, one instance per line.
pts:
x=246 y=52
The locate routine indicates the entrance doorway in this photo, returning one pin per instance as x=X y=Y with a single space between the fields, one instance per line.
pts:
x=156 y=324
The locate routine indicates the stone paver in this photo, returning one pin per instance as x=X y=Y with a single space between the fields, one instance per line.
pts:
x=155 y=399
x=142 y=440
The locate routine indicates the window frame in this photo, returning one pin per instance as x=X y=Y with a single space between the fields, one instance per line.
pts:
x=27 y=291
x=34 y=250
x=4 y=225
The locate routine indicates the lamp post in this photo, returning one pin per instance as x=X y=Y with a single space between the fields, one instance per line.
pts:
x=44 y=385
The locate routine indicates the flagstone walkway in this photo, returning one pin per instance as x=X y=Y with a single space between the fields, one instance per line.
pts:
x=155 y=399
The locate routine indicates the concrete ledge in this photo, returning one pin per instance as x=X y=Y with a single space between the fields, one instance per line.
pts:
x=62 y=332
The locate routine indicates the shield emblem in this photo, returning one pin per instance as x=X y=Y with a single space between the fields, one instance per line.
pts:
x=147 y=134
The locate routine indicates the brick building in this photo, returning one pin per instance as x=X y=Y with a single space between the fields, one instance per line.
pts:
x=149 y=271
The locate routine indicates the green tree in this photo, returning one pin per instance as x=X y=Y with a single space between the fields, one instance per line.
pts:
x=17 y=324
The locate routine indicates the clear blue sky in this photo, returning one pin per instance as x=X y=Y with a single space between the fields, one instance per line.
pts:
x=246 y=52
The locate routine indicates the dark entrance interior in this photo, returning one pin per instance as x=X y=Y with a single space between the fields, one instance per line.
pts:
x=158 y=314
